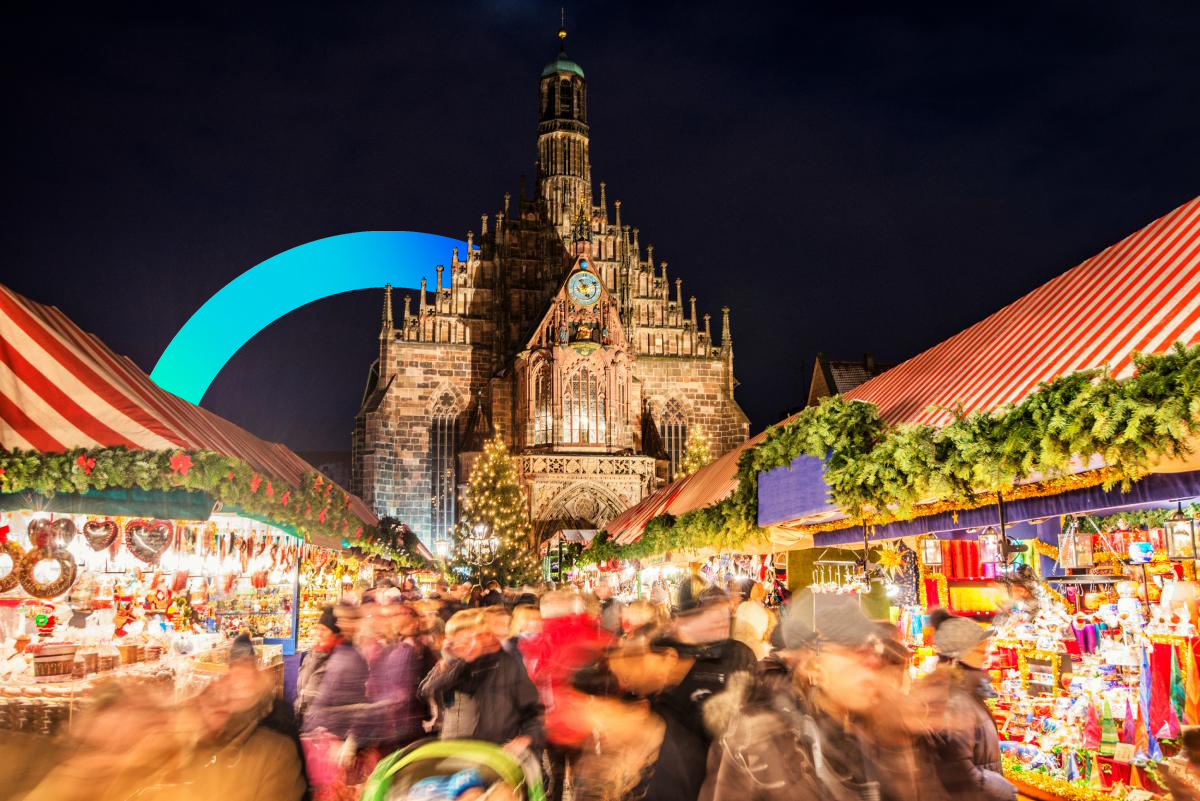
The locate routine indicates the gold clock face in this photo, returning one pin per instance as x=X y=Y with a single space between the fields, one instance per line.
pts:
x=584 y=288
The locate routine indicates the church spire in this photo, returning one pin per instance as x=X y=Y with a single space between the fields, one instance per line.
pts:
x=386 y=331
x=564 y=169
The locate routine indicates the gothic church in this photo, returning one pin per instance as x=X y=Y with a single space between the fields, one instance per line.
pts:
x=561 y=333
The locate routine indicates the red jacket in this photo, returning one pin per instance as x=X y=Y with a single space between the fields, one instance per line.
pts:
x=564 y=645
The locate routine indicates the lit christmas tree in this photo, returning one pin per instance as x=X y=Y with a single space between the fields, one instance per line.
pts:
x=696 y=455
x=495 y=523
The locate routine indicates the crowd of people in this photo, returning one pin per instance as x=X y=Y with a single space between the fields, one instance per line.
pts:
x=704 y=695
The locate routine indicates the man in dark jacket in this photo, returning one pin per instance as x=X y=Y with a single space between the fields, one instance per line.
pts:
x=483 y=692
x=701 y=633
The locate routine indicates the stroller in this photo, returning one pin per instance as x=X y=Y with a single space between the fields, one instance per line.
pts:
x=455 y=770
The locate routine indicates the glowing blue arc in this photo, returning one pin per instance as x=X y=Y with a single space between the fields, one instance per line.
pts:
x=267 y=291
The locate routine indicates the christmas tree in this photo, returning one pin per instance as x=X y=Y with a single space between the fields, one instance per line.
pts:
x=696 y=455
x=493 y=539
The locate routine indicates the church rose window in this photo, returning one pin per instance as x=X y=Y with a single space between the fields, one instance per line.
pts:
x=443 y=436
x=584 y=410
x=673 y=428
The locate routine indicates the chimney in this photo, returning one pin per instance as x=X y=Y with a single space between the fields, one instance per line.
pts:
x=869 y=363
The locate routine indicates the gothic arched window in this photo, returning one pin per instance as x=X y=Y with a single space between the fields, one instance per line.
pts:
x=673 y=428
x=543 y=407
x=584 y=410
x=443 y=457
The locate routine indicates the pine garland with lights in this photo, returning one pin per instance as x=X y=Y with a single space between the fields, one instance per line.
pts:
x=494 y=504
x=696 y=455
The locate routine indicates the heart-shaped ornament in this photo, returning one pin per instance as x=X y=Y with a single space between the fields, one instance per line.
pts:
x=100 y=534
x=147 y=540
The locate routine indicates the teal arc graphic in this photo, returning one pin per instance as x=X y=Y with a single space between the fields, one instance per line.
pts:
x=271 y=289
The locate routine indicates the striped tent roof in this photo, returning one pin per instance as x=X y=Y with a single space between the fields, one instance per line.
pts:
x=62 y=388
x=1141 y=294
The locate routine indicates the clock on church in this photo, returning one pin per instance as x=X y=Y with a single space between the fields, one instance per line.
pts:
x=584 y=288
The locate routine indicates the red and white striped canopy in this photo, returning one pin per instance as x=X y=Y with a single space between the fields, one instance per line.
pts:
x=61 y=388
x=1141 y=294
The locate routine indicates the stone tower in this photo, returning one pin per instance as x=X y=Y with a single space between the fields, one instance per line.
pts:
x=556 y=330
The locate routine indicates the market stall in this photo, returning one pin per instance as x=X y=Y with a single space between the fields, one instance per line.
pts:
x=138 y=531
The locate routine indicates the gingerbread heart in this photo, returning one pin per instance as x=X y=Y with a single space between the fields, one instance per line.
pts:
x=148 y=539
x=100 y=534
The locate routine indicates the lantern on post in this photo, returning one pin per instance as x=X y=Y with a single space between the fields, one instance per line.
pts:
x=1181 y=535
x=931 y=551
x=1075 y=546
x=989 y=546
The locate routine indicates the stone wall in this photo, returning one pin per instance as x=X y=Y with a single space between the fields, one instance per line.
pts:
x=701 y=387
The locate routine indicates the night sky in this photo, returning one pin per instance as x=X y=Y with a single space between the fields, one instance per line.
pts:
x=873 y=178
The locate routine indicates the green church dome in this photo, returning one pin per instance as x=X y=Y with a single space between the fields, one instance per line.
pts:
x=562 y=64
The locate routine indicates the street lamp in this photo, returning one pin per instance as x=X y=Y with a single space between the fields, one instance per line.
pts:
x=481 y=547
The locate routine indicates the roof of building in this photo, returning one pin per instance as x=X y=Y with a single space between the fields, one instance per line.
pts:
x=562 y=64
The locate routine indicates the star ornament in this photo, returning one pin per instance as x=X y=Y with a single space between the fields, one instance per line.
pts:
x=889 y=559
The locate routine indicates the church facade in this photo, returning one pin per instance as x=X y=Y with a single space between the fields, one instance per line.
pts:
x=556 y=330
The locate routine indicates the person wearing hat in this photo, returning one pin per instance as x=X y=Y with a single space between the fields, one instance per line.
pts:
x=312 y=669
x=965 y=741
x=817 y=733
x=701 y=633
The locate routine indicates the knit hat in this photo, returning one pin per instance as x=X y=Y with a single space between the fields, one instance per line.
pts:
x=815 y=618
x=954 y=636
x=329 y=620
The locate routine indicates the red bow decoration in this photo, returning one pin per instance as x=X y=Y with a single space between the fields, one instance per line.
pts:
x=85 y=463
x=254 y=482
x=3 y=534
x=287 y=495
x=270 y=489
x=321 y=516
x=181 y=463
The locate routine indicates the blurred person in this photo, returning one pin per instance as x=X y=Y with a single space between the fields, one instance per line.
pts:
x=752 y=621
x=610 y=606
x=492 y=595
x=474 y=597
x=811 y=738
x=498 y=620
x=633 y=752
x=482 y=692
x=643 y=619
x=394 y=680
x=701 y=632
x=312 y=668
x=965 y=740
x=131 y=744
x=526 y=623
x=569 y=639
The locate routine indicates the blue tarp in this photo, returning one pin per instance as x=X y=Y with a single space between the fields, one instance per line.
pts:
x=794 y=492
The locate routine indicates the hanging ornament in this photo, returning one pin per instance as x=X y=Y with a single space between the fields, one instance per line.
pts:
x=15 y=554
x=148 y=539
x=100 y=534
x=889 y=559
x=50 y=587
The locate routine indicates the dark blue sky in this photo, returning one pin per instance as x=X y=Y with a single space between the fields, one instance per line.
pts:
x=865 y=179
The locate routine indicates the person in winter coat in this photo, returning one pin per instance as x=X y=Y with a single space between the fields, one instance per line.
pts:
x=701 y=633
x=312 y=670
x=340 y=701
x=395 y=679
x=813 y=726
x=964 y=735
x=131 y=744
x=482 y=692
x=610 y=607
x=634 y=753
x=752 y=622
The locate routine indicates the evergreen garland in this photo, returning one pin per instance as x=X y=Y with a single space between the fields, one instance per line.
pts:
x=879 y=474
x=315 y=507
